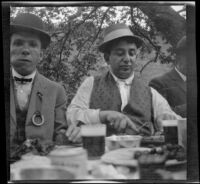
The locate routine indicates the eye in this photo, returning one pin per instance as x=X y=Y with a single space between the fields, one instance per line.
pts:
x=18 y=43
x=119 y=52
x=132 y=53
x=33 y=43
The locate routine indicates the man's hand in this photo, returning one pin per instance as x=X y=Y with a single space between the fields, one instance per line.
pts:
x=73 y=133
x=118 y=120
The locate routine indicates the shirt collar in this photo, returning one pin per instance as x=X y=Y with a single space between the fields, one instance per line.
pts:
x=127 y=81
x=181 y=74
x=16 y=74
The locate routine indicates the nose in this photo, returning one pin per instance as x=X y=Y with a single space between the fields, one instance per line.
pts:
x=25 y=50
x=127 y=59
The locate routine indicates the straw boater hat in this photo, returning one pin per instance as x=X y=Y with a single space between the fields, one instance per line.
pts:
x=26 y=22
x=116 y=31
x=181 y=45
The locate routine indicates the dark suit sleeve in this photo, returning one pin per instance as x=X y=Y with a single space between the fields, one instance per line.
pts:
x=60 y=111
x=181 y=110
x=159 y=86
x=170 y=91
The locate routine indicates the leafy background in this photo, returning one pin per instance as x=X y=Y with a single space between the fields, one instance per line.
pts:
x=76 y=32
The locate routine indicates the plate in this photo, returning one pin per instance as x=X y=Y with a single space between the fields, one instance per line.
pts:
x=153 y=140
x=67 y=146
x=158 y=138
x=174 y=162
x=123 y=156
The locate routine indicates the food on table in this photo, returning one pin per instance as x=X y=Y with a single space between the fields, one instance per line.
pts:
x=171 y=151
x=152 y=158
x=156 y=158
x=35 y=146
x=151 y=141
x=149 y=163
x=123 y=141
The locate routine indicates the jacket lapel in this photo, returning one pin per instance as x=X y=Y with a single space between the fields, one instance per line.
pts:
x=179 y=81
x=38 y=87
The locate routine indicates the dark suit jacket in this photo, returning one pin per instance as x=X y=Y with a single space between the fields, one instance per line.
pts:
x=53 y=107
x=173 y=88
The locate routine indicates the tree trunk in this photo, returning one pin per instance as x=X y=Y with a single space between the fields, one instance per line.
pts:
x=167 y=21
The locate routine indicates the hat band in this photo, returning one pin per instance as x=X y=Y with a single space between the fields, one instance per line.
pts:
x=118 y=33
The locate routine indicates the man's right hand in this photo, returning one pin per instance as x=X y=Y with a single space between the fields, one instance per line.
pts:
x=119 y=120
x=73 y=133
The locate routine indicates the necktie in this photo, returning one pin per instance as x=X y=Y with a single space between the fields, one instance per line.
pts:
x=22 y=80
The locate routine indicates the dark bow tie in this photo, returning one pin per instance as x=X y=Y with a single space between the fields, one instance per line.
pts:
x=22 y=80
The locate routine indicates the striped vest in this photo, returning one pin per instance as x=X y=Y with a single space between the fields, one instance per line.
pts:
x=106 y=96
x=20 y=135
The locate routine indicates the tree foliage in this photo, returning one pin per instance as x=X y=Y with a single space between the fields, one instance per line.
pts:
x=76 y=32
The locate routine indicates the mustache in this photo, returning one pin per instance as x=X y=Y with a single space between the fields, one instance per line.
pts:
x=124 y=61
x=125 y=66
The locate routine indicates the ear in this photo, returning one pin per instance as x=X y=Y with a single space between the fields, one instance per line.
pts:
x=106 y=57
x=41 y=55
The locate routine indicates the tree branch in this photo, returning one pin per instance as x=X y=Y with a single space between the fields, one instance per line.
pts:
x=94 y=10
x=157 y=49
x=83 y=46
x=62 y=48
x=152 y=60
x=100 y=27
x=56 y=33
x=95 y=37
x=68 y=33
x=141 y=33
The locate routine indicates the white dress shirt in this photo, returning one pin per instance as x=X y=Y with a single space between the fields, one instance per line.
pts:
x=23 y=90
x=124 y=86
x=79 y=109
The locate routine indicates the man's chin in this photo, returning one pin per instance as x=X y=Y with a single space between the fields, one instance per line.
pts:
x=23 y=71
x=124 y=75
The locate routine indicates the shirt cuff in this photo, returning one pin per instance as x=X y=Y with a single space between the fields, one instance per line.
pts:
x=91 y=116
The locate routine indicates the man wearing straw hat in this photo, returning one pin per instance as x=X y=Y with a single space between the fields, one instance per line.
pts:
x=37 y=105
x=172 y=85
x=118 y=98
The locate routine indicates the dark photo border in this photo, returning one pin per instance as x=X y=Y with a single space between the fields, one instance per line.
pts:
x=192 y=120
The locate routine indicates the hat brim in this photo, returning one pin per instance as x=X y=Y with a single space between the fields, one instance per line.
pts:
x=137 y=40
x=44 y=37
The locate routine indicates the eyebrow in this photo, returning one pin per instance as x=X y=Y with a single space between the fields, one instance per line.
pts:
x=22 y=40
x=116 y=49
x=17 y=40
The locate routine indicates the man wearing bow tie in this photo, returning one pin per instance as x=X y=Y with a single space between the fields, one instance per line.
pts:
x=37 y=105
x=118 y=97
